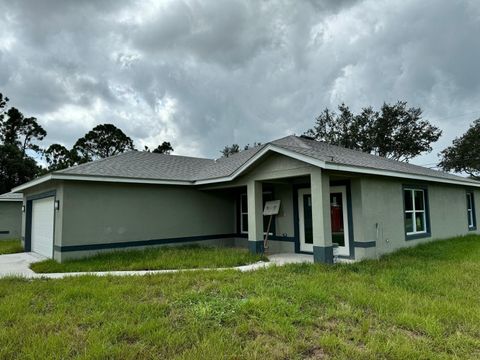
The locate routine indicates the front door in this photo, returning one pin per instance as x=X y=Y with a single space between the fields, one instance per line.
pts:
x=338 y=214
x=305 y=220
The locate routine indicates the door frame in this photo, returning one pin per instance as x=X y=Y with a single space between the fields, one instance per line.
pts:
x=343 y=251
x=304 y=247
x=28 y=218
x=296 y=224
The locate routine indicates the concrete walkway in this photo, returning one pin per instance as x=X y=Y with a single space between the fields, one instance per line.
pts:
x=18 y=265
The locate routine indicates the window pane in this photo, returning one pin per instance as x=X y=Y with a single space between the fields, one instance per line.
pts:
x=336 y=215
x=244 y=203
x=409 y=222
x=408 y=200
x=245 y=223
x=420 y=221
x=470 y=218
x=419 y=200
x=469 y=201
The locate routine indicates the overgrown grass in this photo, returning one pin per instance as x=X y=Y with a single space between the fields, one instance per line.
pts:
x=184 y=257
x=10 y=246
x=421 y=303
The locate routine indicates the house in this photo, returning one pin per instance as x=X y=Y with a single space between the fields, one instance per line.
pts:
x=331 y=197
x=10 y=216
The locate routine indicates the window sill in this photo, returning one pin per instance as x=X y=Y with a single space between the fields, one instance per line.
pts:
x=417 y=236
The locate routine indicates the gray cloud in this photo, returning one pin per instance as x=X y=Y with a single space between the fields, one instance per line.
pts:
x=203 y=74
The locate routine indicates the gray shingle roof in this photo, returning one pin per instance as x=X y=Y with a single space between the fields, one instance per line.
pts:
x=11 y=197
x=339 y=155
x=144 y=165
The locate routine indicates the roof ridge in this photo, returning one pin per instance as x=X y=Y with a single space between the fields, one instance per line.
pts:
x=174 y=155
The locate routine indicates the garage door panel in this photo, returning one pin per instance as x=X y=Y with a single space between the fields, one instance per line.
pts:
x=42 y=226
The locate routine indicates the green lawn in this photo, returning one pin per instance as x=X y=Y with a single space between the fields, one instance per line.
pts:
x=10 y=246
x=421 y=303
x=154 y=259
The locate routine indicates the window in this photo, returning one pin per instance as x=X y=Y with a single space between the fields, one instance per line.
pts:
x=415 y=211
x=471 y=211
x=267 y=196
x=243 y=214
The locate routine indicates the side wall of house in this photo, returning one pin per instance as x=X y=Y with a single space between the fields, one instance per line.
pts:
x=10 y=219
x=382 y=213
x=106 y=216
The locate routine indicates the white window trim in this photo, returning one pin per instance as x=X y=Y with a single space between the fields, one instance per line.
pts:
x=471 y=220
x=242 y=212
x=414 y=212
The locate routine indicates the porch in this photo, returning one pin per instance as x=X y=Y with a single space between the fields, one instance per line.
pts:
x=315 y=218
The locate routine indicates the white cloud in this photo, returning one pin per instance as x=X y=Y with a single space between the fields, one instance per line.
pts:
x=202 y=74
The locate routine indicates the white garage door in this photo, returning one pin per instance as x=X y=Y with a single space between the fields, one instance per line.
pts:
x=42 y=226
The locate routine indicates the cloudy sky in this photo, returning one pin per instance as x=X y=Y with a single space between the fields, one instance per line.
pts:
x=203 y=74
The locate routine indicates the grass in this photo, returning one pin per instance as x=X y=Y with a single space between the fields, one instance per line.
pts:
x=153 y=259
x=420 y=303
x=10 y=246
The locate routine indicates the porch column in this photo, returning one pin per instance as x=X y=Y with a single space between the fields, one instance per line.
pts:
x=322 y=232
x=255 y=216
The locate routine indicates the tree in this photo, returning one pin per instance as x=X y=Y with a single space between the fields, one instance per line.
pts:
x=15 y=168
x=17 y=135
x=230 y=150
x=17 y=130
x=394 y=132
x=101 y=142
x=58 y=157
x=235 y=148
x=164 y=148
x=464 y=154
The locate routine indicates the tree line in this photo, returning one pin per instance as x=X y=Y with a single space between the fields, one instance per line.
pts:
x=20 y=139
x=395 y=131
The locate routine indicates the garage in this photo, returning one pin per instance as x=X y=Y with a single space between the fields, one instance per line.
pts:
x=42 y=226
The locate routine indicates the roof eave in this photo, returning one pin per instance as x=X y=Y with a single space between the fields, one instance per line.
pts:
x=114 y=179
x=268 y=148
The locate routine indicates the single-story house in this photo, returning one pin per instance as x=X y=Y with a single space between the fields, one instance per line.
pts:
x=10 y=216
x=331 y=197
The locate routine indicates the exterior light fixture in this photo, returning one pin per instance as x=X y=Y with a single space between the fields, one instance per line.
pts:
x=57 y=204
x=23 y=208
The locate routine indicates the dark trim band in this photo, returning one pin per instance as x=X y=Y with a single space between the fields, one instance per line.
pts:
x=4 y=232
x=42 y=195
x=256 y=247
x=323 y=254
x=124 y=244
x=365 y=244
x=271 y=237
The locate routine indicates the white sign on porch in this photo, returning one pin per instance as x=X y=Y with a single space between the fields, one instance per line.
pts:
x=271 y=207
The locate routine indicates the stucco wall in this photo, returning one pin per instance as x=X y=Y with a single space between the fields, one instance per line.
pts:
x=284 y=221
x=382 y=200
x=96 y=213
x=274 y=166
x=10 y=219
